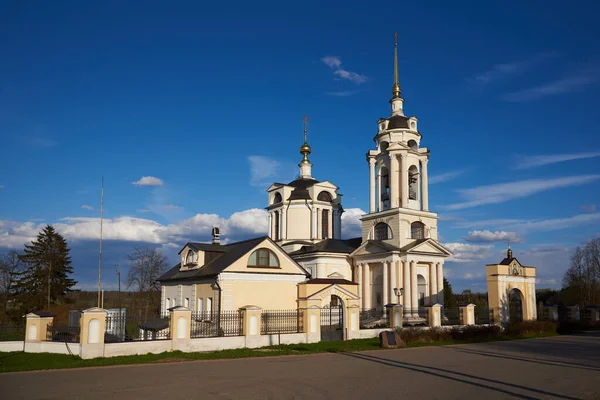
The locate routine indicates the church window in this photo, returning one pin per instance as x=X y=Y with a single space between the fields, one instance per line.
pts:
x=190 y=258
x=263 y=258
x=413 y=183
x=325 y=224
x=382 y=231
x=417 y=230
x=413 y=145
x=324 y=196
x=276 y=229
x=277 y=198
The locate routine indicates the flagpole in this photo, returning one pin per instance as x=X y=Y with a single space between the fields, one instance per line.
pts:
x=100 y=258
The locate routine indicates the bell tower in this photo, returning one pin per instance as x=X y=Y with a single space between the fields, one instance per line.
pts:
x=398 y=177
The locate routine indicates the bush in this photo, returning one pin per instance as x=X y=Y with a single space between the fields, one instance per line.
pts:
x=476 y=332
x=423 y=335
x=459 y=333
x=531 y=328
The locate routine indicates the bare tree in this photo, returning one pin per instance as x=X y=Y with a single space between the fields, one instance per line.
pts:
x=10 y=266
x=583 y=276
x=145 y=266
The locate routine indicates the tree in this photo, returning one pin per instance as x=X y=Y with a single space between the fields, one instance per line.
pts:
x=10 y=266
x=582 y=279
x=45 y=279
x=145 y=266
x=449 y=297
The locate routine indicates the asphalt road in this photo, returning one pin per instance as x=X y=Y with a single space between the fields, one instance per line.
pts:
x=566 y=367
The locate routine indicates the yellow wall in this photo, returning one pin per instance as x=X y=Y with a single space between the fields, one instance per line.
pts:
x=298 y=223
x=500 y=283
x=266 y=295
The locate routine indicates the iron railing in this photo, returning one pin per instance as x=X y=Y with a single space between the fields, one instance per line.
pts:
x=130 y=327
x=367 y=316
x=214 y=324
x=452 y=316
x=57 y=332
x=331 y=318
x=12 y=331
x=281 y=321
x=484 y=316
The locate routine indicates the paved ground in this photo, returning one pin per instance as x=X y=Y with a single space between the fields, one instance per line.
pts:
x=566 y=367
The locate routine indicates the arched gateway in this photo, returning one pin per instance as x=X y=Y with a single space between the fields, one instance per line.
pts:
x=511 y=290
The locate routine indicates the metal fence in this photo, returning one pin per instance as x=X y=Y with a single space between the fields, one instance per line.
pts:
x=130 y=327
x=453 y=315
x=484 y=316
x=281 y=321
x=214 y=324
x=368 y=316
x=57 y=332
x=12 y=331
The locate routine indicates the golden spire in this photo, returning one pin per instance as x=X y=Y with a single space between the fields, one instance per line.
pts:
x=396 y=89
x=509 y=251
x=305 y=149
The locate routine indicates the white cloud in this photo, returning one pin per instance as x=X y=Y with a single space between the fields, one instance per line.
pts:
x=536 y=161
x=565 y=85
x=499 y=193
x=464 y=252
x=149 y=181
x=505 y=70
x=469 y=275
x=489 y=236
x=351 y=224
x=171 y=207
x=554 y=224
x=588 y=208
x=262 y=170
x=445 y=177
x=86 y=207
x=332 y=61
x=335 y=63
x=143 y=211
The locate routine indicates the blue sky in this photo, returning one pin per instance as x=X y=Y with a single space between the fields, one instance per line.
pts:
x=208 y=100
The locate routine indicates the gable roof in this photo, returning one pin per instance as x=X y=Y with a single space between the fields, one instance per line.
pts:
x=329 y=281
x=508 y=261
x=414 y=246
x=386 y=247
x=231 y=253
x=330 y=246
x=204 y=247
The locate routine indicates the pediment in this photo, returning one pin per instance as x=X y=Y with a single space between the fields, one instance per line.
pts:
x=430 y=247
x=373 y=247
x=326 y=184
x=274 y=186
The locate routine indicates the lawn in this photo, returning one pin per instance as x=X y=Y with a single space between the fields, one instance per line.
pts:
x=19 y=361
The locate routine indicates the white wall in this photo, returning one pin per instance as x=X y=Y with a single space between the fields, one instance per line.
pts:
x=52 y=347
x=11 y=346
x=141 y=347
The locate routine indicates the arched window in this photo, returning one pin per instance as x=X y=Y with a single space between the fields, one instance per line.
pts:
x=413 y=145
x=413 y=183
x=417 y=230
x=190 y=258
x=263 y=258
x=324 y=196
x=276 y=229
x=277 y=198
x=382 y=231
x=325 y=224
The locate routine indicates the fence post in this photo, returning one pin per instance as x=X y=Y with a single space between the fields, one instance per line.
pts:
x=36 y=327
x=574 y=312
x=312 y=324
x=92 y=327
x=180 y=325
x=251 y=324
x=394 y=317
x=468 y=314
x=434 y=315
x=353 y=316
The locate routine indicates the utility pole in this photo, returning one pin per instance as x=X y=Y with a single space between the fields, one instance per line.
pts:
x=119 y=279
x=100 y=258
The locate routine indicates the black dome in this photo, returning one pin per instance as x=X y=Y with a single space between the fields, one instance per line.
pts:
x=398 y=121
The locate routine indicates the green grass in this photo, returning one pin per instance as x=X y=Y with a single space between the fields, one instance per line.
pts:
x=19 y=361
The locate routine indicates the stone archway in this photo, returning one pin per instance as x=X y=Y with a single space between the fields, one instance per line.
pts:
x=515 y=305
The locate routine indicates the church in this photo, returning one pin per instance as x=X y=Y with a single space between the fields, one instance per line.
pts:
x=398 y=258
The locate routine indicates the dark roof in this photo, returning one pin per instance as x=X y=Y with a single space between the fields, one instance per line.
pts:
x=384 y=245
x=332 y=281
x=204 y=247
x=507 y=261
x=398 y=121
x=231 y=253
x=300 y=182
x=330 y=246
x=299 y=193
x=43 y=314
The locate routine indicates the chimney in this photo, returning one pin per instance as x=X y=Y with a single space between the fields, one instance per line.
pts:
x=215 y=235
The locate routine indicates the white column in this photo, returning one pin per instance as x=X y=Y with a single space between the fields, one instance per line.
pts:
x=407 y=295
x=367 y=288
x=394 y=180
x=424 y=185
x=271 y=225
x=393 y=282
x=282 y=225
x=330 y=224
x=414 y=289
x=379 y=205
x=440 y=283
x=313 y=233
x=433 y=294
x=372 y=207
x=360 y=285
x=404 y=180
x=386 y=288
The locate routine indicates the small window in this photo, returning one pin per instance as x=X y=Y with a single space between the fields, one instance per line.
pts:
x=277 y=198
x=382 y=231
x=324 y=196
x=187 y=302
x=325 y=224
x=191 y=258
x=263 y=258
x=417 y=230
